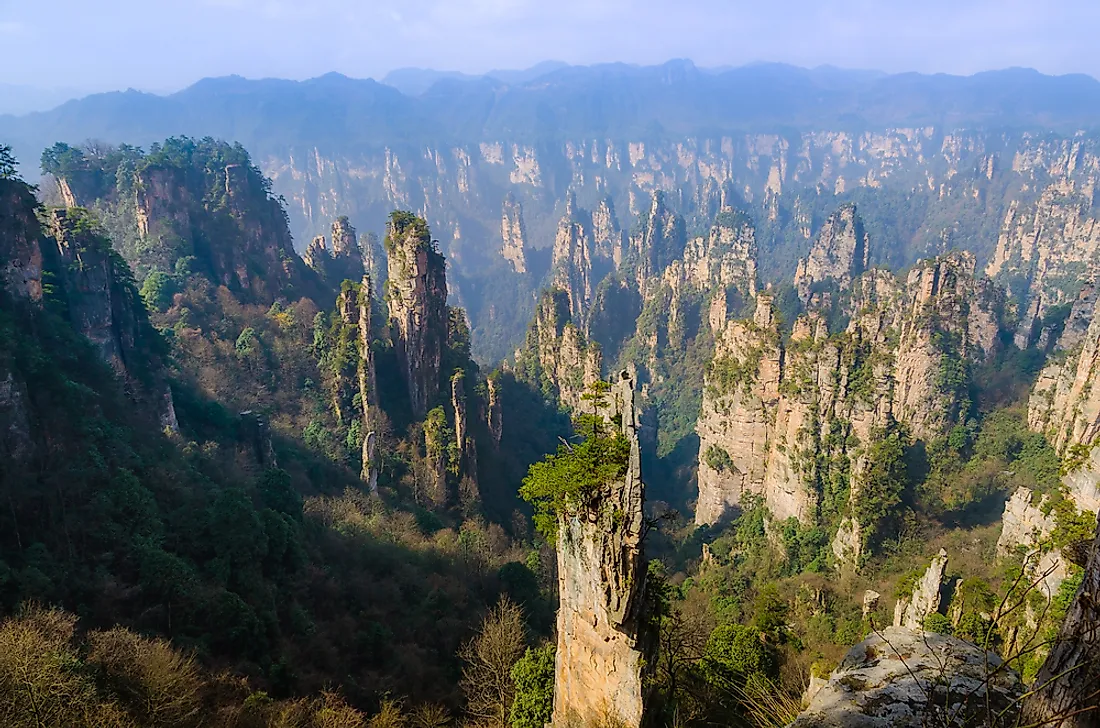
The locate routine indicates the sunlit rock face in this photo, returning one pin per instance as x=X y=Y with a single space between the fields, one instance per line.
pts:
x=600 y=670
x=775 y=411
x=417 y=303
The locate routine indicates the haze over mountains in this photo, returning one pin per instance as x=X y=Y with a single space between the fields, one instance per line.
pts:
x=553 y=100
x=334 y=146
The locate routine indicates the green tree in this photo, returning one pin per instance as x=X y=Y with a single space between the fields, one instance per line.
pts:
x=533 y=676
x=157 y=291
x=734 y=654
x=9 y=168
x=884 y=482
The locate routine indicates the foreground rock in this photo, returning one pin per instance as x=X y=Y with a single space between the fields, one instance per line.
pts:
x=600 y=664
x=904 y=677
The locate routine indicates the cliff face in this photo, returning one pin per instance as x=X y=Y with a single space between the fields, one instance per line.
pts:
x=726 y=257
x=102 y=304
x=839 y=254
x=417 y=301
x=926 y=599
x=513 y=234
x=587 y=247
x=20 y=278
x=1065 y=406
x=949 y=318
x=776 y=420
x=737 y=425
x=600 y=665
x=659 y=241
x=556 y=356
x=199 y=207
x=1050 y=238
x=950 y=186
x=1067 y=684
x=572 y=259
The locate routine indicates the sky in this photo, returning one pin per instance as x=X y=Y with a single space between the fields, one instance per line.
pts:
x=165 y=45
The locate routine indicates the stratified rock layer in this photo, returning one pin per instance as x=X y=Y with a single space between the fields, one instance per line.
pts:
x=513 y=234
x=556 y=356
x=926 y=599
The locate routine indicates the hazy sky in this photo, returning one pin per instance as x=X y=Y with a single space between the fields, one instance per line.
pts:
x=167 y=44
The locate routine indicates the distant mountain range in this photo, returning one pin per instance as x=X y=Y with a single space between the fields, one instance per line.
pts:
x=553 y=101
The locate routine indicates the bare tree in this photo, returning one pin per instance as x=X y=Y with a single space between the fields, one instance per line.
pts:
x=489 y=657
x=160 y=685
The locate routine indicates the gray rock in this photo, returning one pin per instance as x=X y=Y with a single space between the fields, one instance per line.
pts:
x=903 y=677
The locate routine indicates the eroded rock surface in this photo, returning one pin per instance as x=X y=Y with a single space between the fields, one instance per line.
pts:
x=601 y=662
x=417 y=307
x=903 y=678
x=839 y=254
x=926 y=598
x=513 y=234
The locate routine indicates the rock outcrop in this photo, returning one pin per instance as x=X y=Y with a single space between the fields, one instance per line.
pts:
x=1028 y=523
x=599 y=674
x=660 y=239
x=904 y=678
x=494 y=411
x=839 y=254
x=464 y=441
x=513 y=234
x=342 y=260
x=587 y=246
x=726 y=258
x=556 y=356
x=739 y=404
x=103 y=305
x=926 y=598
x=417 y=301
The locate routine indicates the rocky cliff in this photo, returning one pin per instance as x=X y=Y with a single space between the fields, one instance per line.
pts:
x=1065 y=406
x=600 y=666
x=20 y=254
x=926 y=597
x=839 y=254
x=587 y=247
x=102 y=304
x=556 y=356
x=795 y=423
x=338 y=261
x=1068 y=685
x=1006 y=197
x=513 y=234
x=20 y=278
x=417 y=301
